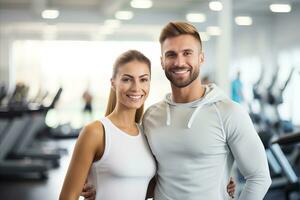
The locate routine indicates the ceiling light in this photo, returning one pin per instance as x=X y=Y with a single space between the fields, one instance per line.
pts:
x=196 y=17
x=280 y=8
x=124 y=15
x=50 y=14
x=141 y=4
x=215 y=5
x=213 y=30
x=204 y=36
x=243 y=20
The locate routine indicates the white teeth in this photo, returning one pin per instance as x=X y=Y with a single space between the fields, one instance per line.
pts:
x=135 y=97
x=180 y=71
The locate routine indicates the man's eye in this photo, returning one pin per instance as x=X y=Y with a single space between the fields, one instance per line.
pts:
x=187 y=53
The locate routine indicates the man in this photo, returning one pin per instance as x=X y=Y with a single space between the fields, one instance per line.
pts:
x=196 y=132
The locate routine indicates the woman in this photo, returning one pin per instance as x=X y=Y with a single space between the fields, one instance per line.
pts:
x=113 y=153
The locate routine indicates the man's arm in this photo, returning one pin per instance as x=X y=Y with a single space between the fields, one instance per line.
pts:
x=248 y=152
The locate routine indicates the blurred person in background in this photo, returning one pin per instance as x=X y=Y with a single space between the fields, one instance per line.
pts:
x=237 y=89
x=88 y=107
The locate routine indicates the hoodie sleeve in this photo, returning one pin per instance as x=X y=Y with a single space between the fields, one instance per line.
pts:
x=248 y=152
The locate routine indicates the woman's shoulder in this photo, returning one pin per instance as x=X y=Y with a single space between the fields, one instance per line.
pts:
x=93 y=129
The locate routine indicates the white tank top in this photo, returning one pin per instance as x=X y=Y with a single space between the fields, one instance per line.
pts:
x=125 y=168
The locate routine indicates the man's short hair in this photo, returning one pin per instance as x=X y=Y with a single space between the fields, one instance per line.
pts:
x=173 y=29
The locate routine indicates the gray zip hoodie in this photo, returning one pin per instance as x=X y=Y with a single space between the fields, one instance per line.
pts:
x=196 y=143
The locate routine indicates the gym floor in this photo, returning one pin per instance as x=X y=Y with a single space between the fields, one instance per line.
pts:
x=12 y=188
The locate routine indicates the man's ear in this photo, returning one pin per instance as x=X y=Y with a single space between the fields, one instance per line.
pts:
x=113 y=84
x=201 y=57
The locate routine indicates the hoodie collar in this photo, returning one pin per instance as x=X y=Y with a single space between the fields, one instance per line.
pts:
x=212 y=95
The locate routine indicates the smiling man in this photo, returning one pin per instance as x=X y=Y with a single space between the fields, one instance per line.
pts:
x=197 y=132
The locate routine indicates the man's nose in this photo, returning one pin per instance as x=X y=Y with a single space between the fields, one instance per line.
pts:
x=179 y=61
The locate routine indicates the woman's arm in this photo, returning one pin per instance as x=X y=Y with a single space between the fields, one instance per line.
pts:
x=231 y=188
x=89 y=147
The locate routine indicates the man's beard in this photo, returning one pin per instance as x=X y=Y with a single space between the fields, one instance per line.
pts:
x=181 y=83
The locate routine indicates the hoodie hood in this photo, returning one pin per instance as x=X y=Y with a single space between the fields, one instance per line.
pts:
x=212 y=95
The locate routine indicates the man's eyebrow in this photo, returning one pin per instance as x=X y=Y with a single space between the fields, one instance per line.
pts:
x=188 y=50
x=169 y=52
x=184 y=50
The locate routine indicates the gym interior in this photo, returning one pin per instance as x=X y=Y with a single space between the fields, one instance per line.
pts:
x=56 y=61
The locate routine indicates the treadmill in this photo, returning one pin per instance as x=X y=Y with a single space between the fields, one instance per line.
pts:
x=9 y=134
x=23 y=146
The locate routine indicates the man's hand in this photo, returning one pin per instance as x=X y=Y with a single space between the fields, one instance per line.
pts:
x=88 y=192
x=231 y=187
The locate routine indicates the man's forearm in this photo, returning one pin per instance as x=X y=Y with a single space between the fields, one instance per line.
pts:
x=256 y=187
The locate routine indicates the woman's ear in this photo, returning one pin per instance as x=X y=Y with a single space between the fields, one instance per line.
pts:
x=112 y=84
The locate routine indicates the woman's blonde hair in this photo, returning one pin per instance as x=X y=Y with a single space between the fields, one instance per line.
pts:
x=124 y=58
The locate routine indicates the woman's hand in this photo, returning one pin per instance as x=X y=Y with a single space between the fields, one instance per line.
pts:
x=88 y=192
x=231 y=187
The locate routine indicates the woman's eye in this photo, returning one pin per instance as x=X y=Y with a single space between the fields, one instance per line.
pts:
x=144 y=80
x=125 y=79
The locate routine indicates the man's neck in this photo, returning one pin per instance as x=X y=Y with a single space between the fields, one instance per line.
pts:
x=189 y=93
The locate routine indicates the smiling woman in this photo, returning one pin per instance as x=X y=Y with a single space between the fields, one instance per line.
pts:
x=113 y=152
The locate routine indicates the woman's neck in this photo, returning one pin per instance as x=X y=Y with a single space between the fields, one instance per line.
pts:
x=123 y=117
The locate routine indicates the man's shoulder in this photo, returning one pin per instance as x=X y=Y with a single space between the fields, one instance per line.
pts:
x=229 y=107
x=152 y=114
x=155 y=107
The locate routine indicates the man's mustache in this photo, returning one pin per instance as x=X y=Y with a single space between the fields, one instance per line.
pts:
x=180 y=68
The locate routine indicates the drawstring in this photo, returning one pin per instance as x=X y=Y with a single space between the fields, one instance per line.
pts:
x=191 y=120
x=168 y=115
x=193 y=116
